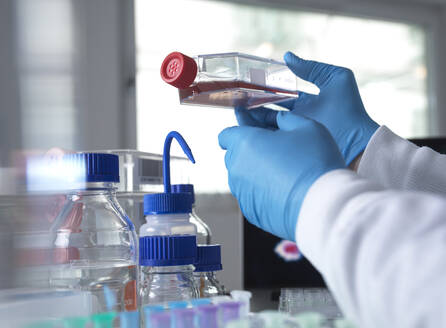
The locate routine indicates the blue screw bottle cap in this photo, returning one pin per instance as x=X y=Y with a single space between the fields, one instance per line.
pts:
x=92 y=167
x=187 y=188
x=208 y=258
x=169 y=202
x=167 y=250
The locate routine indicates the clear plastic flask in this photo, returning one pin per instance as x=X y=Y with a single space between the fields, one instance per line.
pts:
x=204 y=234
x=232 y=80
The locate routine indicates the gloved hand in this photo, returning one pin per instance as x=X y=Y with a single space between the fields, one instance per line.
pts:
x=338 y=106
x=270 y=172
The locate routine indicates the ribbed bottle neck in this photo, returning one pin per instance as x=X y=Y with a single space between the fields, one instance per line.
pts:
x=95 y=188
x=179 y=216
x=206 y=274
x=174 y=269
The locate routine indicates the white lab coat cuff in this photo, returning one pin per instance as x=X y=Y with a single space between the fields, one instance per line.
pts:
x=396 y=163
x=381 y=161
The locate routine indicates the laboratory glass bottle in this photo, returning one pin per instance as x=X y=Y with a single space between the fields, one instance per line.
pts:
x=95 y=246
x=204 y=234
x=167 y=269
x=208 y=262
x=168 y=246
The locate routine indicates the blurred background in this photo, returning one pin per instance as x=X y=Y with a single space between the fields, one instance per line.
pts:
x=84 y=75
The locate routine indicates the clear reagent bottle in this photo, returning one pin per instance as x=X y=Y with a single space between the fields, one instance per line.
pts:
x=204 y=234
x=207 y=263
x=93 y=223
x=168 y=243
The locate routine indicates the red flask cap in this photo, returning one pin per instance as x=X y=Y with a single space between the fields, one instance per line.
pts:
x=178 y=70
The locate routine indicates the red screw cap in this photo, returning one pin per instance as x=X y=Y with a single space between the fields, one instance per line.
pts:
x=178 y=70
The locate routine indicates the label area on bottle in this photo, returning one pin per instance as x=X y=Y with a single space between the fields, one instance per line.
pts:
x=257 y=76
x=130 y=303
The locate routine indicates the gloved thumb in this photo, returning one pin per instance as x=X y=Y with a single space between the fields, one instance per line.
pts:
x=288 y=121
x=308 y=70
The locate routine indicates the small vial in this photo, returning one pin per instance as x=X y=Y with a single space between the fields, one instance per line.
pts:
x=204 y=234
x=207 y=263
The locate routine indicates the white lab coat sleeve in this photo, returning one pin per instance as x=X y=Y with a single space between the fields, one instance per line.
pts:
x=382 y=252
x=397 y=163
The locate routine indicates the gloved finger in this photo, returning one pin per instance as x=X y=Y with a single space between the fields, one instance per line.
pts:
x=228 y=157
x=312 y=71
x=303 y=99
x=225 y=137
x=261 y=117
x=229 y=136
x=288 y=104
x=289 y=121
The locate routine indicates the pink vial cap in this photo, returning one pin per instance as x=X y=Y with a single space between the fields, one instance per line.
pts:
x=178 y=70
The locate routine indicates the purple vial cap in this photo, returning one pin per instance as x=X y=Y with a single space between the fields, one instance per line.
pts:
x=229 y=311
x=160 y=320
x=207 y=316
x=183 y=318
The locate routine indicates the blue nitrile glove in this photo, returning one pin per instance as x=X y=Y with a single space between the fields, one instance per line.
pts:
x=338 y=106
x=270 y=172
